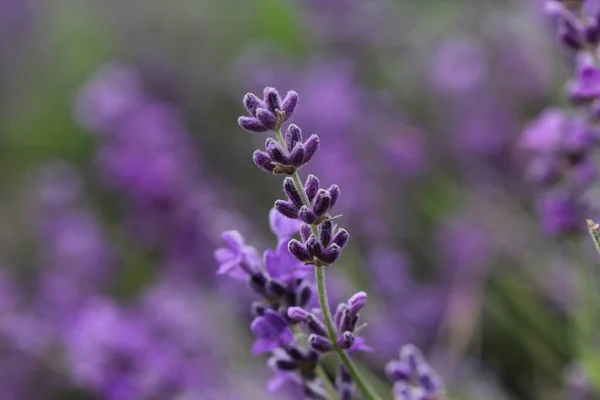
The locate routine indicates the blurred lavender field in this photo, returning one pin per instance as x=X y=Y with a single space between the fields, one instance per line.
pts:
x=121 y=164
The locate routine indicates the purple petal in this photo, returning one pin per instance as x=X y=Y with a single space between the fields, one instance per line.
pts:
x=234 y=239
x=263 y=345
x=282 y=226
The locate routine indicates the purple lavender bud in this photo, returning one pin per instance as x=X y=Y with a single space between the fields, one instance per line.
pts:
x=357 y=302
x=305 y=232
x=429 y=379
x=307 y=216
x=258 y=282
x=271 y=99
x=295 y=353
x=299 y=251
x=345 y=384
x=289 y=187
x=592 y=33
x=311 y=187
x=331 y=254
x=314 y=247
x=258 y=309
x=303 y=294
x=312 y=357
x=251 y=124
x=325 y=232
x=267 y=118
x=287 y=209
x=398 y=371
x=346 y=340
x=339 y=313
x=275 y=151
x=316 y=326
x=275 y=289
x=263 y=161
x=312 y=145
x=341 y=238
x=321 y=203
x=293 y=135
x=320 y=343
x=289 y=104
x=412 y=355
x=252 y=103
x=296 y=157
x=286 y=365
x=345 y=320
x=569 y=38
x=334 y=192
x=298 y=314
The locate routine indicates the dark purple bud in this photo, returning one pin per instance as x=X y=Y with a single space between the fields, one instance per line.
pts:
x=298 y=314
x=258 y=309
x=341 y=238
x=306 y=215
x=271 y=99
x=275 y=289
x=275 y=151
x=429 y=379
x=570 y=39
x=398 y=371
x=258 y=283
x=299 y=251
x=320 y=343
x=339 y=313
x=295 y=353
x=289 y=187
x=296 y=157
x=346 y=340
x=305 y=232
x=321 y=203
x=303 y=294
x=412 y=355
x=267 y=118
x=592 y=33
x=314 y=247
x=345 y=384
x=293 y=135
x=287 y=209
x=331 y=254
x=312 y=357
x=325 y=232
x=345 y=320
x=252 y=103
x=316 y=326
x=286 y=365
x=357 y=302
x=251 y=124
x=312 y=145
x=311 y=187
x=289 y=104
x=263 y=161
x=334 y=192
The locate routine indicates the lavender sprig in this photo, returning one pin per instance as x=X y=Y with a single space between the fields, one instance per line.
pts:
x=321 y=245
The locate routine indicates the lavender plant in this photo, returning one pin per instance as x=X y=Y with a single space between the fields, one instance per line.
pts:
x=298 y=337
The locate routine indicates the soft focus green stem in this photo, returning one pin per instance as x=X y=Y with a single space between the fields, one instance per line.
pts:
x=364 y=387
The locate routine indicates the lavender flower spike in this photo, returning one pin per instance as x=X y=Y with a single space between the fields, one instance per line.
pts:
x=282 y=286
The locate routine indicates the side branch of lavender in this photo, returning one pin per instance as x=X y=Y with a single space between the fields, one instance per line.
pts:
x=282 y=318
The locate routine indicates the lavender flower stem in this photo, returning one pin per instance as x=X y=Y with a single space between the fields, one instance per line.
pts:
x=363 y=385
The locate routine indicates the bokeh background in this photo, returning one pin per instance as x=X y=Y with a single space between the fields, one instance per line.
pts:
x=121 y=163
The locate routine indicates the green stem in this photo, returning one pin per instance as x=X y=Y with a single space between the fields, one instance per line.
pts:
x=363 y=385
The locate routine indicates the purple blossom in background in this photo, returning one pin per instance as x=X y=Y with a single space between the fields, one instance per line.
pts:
x=459 y=65
x=147 y=155
x=561 y=146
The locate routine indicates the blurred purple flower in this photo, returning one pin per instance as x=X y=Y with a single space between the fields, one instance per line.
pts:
x=239 y=260
x=282 y=265
x=272 y=330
